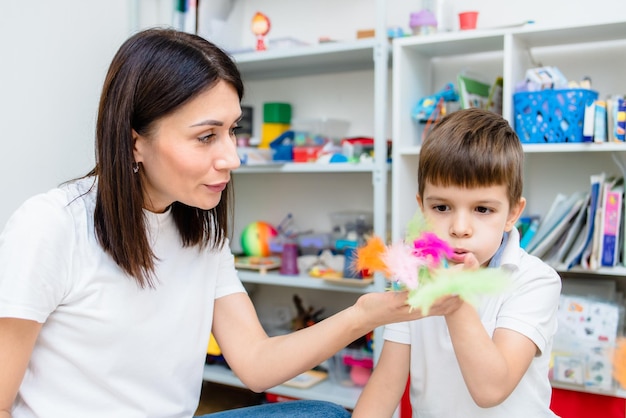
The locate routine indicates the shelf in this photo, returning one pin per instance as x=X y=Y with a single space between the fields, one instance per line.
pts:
x=310 y=168
x=546 y=37
x=323 y=58
x=453 y=43
x=302 y=281
x=326 y=390
x=618 y=271
x=548 y=148
x=617 y=393
x=488 y=40
x=575 y=147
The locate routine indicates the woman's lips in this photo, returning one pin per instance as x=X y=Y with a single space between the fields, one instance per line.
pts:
x=217 y=188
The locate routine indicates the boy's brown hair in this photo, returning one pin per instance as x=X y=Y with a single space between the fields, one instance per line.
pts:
x=472 y=148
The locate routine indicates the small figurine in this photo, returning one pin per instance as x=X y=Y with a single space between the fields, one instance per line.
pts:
x=260 y=27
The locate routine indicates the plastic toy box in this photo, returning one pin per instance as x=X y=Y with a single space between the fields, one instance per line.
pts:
x=549 y=116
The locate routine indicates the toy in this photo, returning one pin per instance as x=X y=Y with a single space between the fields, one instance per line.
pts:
x=427 y=105
x=305 y=317
x=256 y=238
x=260 y=27
x=419 y=265
x=360 y=369
x=423 y=22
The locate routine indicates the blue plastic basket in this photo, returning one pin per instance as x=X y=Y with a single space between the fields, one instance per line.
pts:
x=550 y=116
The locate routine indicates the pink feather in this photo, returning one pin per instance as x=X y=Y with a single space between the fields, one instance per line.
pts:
x=402 y=264
x=432 y=249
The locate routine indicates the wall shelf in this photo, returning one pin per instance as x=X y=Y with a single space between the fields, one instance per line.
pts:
x=322 y=58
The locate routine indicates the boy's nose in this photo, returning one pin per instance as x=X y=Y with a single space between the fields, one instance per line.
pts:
x=461 y=226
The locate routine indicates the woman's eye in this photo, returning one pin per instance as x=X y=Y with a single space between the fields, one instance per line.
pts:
x=206 y=138
x=234 y=130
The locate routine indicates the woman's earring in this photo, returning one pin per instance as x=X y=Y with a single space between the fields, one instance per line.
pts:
x=135 y=167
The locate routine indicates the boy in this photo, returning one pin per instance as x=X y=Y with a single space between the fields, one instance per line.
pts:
x=492 y=359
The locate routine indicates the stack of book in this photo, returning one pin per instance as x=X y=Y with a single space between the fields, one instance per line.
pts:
x=605 y=120
x=583 y=229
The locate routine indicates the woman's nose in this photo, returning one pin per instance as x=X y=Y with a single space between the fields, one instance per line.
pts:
x=229 y=158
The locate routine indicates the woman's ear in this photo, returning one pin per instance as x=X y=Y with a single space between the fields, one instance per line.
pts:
x=514 y=214
x=137 y=146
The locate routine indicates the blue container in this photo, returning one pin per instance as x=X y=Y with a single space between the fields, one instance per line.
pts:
x=550 y=116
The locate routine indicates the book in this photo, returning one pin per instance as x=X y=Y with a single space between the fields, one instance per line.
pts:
x=600 y=122
x=620 y=120
x=494 y=101
x=587 y=330
x=561 y=206
x=472 y=92
x=571 y=235
x=595 y=257
x=529 y=231
x=588 y=121
x=610 y=222
x=566 y=215
x=583 y=241
x=307 y=379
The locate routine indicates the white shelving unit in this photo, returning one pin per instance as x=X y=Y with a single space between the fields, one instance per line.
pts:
x=310 y=191
x=422 y=65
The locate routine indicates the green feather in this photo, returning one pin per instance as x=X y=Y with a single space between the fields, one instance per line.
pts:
x=468 y=284
x=416 y=226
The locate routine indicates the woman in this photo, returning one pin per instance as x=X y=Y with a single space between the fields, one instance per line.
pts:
x=111 y=284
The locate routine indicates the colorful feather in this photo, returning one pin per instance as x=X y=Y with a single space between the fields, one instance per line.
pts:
x=432 y=248
x=416 y=226
x=467 y=284
x=419 y=264
x=402 y=264
x=369 y=257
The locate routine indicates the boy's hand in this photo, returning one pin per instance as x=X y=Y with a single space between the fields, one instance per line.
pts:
x=445 y=305
x=470 y=262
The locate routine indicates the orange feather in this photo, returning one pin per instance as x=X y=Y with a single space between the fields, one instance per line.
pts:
x=369 y=257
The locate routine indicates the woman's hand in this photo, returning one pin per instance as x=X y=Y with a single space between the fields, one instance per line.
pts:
x=379 y=309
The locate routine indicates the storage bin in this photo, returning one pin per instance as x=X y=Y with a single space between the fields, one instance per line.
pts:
x=551 y=115
x=351 y=367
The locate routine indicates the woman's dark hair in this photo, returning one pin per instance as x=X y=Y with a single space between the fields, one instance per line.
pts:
x=154 y=72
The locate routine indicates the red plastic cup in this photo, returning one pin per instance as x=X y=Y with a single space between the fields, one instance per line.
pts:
x=467 y=20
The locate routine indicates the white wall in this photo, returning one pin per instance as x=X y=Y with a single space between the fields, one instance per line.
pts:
x=54 y=55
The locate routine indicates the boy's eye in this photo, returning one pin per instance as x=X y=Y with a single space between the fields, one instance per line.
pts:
x=440 y=208
x=482 y=209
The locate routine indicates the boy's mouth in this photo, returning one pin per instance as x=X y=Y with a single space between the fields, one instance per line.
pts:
x=459 y=255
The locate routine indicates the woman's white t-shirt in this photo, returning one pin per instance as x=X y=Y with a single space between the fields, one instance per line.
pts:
x=107 y=347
